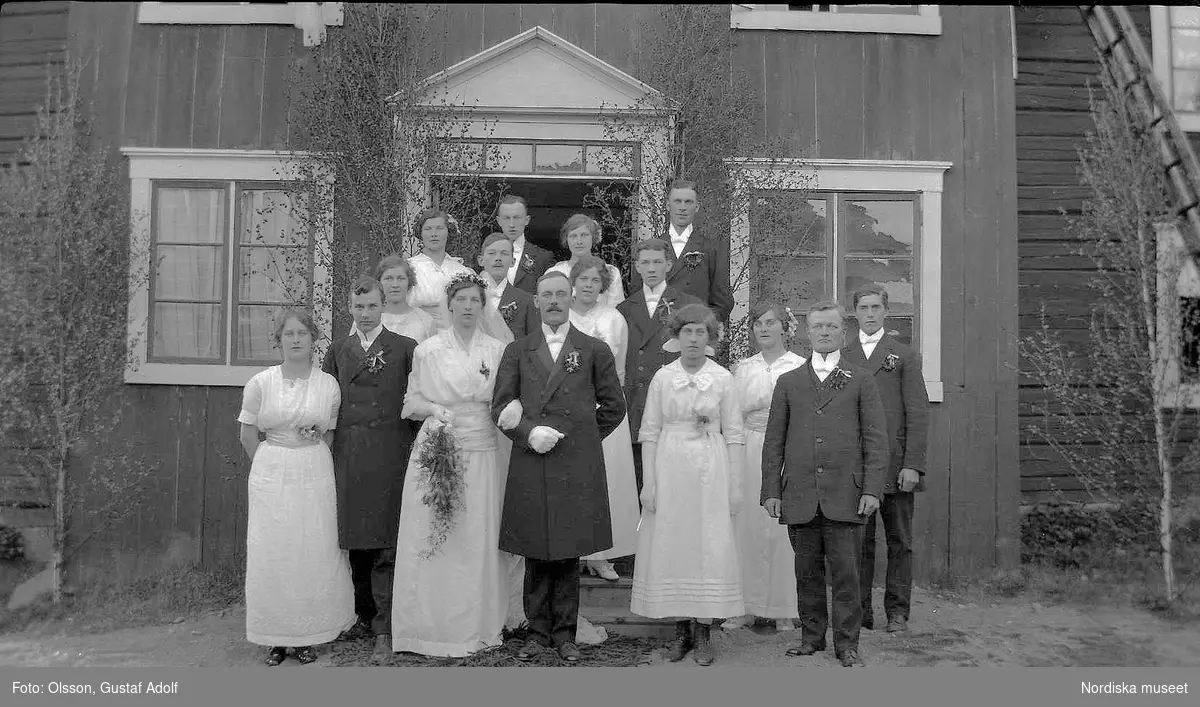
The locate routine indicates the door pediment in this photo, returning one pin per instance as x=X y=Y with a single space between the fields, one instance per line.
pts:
x=539 y=72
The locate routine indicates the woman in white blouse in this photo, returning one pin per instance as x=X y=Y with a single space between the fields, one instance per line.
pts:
x=433 y=267
x=767 y=560
x=591 y=279
x=580 y=234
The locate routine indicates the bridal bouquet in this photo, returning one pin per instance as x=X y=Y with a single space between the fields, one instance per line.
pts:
x=440 y=456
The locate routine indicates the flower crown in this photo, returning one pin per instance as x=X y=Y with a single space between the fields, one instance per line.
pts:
x=456 y=282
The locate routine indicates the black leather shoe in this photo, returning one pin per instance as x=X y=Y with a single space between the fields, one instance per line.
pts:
x=277 y=655
x=897 y=624
x=805 y=649
x=868 y=622
x=683 y=643
x=306 y=655
x=360 y=630
x=529 y=650
x=569 y=652
x=850 y=659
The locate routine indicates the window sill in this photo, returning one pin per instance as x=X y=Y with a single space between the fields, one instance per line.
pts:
x=192 y=374
x=790 y=20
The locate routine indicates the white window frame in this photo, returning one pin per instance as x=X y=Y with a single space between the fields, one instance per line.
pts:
x=1177 y=276
x=925 y=179
x=148 y=165
x=1160 y=40
x=927 y=21
x=311 y=17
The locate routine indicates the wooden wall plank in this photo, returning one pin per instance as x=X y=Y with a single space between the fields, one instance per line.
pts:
x=789 y=87
x=462 y=32
x=575 y=23
x=500 y=22
x=226 y=470
x=210 y=74
x=176 y=87
x=877 y=79
x=141 y=104
x=273 y=118
x=241 y=87
x=619 y=33
x=839 y=95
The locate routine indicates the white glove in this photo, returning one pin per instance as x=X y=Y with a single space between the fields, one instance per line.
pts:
x=510 y=416
x=542 y=439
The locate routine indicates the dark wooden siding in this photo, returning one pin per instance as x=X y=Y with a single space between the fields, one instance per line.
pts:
x=1056 y=63
x=33 y=36
x=833 y=95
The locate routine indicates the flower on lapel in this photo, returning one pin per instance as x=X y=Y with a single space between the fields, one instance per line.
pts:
x=311 y=433
x=890 y=361
x=484 y=370
x=509 y=312
x=692 y=259
x=527 y=263
x=837 y=379
x=571 y=363
x=376 y=363
x=666 y=306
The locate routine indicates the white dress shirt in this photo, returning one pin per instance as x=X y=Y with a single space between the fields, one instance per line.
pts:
x=555 y=340
x=679 y=239
x=518 y=252
x=653 y=296
x=369 y=338
x=495 y=290
x=823 y=364
x=869 y=342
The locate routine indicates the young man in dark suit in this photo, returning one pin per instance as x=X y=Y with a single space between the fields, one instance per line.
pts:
x=646 y=312
x=824 y=455
x=513 y=303
x=530 y=261
x=698 y=263
x=370 y=454
x=897 y=372
x=556 y=498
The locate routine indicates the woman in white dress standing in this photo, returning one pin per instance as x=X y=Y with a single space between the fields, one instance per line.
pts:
x=692 y=438
x=433 y=267
x=397 y=278
x=298 y=587
x=764 y=551
x=591 y=279
x=580 y=234
x=454 y=601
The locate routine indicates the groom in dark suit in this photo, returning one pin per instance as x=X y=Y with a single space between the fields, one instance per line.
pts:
x=647 y=311
x=370 y=454
x=897 y=372
x=698 y=263
x=556 y=499
x=824 y=455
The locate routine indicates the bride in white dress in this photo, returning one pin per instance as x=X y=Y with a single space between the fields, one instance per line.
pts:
x=580 y=234
x=433 y=266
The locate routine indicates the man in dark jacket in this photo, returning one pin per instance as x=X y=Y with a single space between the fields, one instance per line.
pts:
x=556 y=498
x=897 y=372
x=824 y=455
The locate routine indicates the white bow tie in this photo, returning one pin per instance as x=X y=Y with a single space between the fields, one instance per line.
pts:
x=556 y=339
x=678 y=239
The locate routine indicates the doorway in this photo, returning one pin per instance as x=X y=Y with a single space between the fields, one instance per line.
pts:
x=550 y=203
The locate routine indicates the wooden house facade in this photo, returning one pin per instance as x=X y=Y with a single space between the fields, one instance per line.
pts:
x=910 y=119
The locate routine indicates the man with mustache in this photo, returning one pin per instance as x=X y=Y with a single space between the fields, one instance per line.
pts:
x=647 y=311
x=529 y=260
x=556 y=497
x=824 y=455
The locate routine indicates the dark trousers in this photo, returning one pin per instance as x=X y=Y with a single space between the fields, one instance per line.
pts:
x=897 y=512
x=372 y=571
x=552 y=600
x=840 y=543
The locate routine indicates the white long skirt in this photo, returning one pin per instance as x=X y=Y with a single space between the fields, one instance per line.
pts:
x=764 y=550
x=298 y=586
x=622 y=493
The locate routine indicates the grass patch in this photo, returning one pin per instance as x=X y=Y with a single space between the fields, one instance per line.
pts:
x=617 y=651
x=163 y=597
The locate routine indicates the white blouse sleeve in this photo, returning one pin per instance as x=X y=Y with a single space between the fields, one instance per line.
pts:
x=252 y=397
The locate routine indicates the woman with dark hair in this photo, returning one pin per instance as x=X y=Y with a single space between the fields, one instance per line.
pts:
x=397 y=277
x=298 y=587
x=433 y=267
x=451 y=589
x=591 y=278
x=692 y=438
x=581 y=234
x=764 y=550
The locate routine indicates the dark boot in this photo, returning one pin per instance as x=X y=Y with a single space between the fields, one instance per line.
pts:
x=683 y=641
x=703 y=655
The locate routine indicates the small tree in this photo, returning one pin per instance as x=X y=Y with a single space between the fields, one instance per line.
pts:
x=1110 y=413
x=63 y=295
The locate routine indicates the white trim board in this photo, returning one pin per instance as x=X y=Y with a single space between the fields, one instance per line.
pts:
x=923 y=178
x=147 y=165
x=311 y=17
x=928 y=21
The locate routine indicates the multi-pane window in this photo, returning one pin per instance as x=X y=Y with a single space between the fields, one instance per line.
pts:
x=226 y=257
x=1175 y=32
x=884 y=19
x=607 y=159
x=812 y=246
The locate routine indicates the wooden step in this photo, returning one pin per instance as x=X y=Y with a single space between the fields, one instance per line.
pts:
x=595 y=592
x=606 y=604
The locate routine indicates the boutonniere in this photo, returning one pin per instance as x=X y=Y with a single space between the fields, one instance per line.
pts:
x=527 y=262
x=311 y=433
x=837 y=379
x=666 y=310
x=571 y=363
x=484 y=370
x=890 y=361
x=693 y=259
x=376 y=363
x=509 y=311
